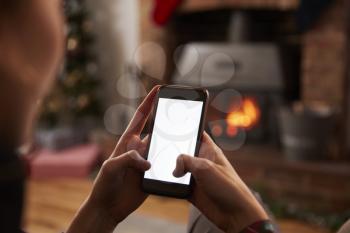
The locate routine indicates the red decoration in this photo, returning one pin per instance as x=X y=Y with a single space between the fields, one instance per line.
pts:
x=163 y=10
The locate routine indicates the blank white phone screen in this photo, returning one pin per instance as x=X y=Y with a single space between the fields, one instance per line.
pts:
x=175 y=132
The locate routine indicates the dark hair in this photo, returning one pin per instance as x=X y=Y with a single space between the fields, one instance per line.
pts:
x=8 y=6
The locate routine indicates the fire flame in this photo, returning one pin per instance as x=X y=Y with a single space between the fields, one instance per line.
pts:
x=246 y=117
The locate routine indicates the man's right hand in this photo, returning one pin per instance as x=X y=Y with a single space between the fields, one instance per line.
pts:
x=219 y=193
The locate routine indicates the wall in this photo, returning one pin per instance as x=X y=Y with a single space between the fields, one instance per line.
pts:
x=324 y=58
x=117 y=35
x=116 y=24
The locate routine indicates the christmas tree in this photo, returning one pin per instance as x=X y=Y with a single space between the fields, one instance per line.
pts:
x=74 y=96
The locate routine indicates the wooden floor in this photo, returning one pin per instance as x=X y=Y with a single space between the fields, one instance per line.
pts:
x=51 y=206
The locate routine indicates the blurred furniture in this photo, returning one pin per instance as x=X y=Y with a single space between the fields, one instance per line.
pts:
x=76 y=161
x=307 y=134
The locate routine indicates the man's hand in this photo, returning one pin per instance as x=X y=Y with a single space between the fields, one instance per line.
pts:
x=117 y=188
x=219 y=193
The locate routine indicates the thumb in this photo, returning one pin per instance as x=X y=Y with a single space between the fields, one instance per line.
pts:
x=194 y=165
x=131 y=159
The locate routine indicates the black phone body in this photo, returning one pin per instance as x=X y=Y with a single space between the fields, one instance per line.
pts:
x=176 y=128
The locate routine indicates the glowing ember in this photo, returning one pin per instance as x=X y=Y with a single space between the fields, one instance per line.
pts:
x=217 y=130
x=246 y=117
x=231 y=131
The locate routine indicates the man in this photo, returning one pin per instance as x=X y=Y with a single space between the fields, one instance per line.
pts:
x=31 y=45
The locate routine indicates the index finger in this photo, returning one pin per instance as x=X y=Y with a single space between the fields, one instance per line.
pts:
x=142 y=113
x=211 y=151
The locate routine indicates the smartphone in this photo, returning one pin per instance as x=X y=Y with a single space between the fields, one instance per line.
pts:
x=176 y=128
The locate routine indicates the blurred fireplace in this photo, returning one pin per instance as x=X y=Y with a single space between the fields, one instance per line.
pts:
x=246 y=86
x=246 y=116
x=249 y=65
x=302 y=184
x=242 y=116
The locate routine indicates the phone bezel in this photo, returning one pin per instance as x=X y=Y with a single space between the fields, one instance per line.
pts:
x=184 y=93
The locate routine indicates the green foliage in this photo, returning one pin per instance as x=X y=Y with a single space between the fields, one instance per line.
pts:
x=75 y=95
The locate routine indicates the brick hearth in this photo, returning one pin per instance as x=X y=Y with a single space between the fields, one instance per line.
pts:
x=319 y=186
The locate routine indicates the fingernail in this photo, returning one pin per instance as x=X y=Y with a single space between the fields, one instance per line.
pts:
x=147 y=165
x=177 y=173
x=144 y=164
